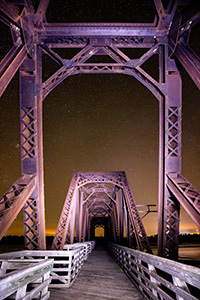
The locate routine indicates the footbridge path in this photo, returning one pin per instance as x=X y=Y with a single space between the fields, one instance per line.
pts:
x=100 y=278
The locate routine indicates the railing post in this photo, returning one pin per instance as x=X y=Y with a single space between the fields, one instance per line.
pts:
x=157 y=277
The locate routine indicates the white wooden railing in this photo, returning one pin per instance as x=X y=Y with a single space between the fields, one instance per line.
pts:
x=88 y=247
x=67 y=263
x=25 y=279
x=156 y=277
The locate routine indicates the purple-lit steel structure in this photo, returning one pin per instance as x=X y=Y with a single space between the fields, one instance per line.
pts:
x=166 y=38
x=93 y=198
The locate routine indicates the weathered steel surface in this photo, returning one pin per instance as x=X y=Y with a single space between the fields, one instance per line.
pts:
x=100 y=29
x=32 y=150
x=179 y=35
x=167 y=37
x=187 y=195
x=13 y=200
x=100 y=278
x=96 y=202
x=170 y=158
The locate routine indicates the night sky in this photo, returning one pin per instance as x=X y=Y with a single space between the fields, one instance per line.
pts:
x=99 y=122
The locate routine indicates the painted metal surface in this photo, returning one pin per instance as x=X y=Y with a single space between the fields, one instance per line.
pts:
x=167 y=38
x=32 y=150
x=187 y=195
x=100 y=196
x=13 y=201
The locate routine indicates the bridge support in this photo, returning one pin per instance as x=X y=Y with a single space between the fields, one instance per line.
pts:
x=167 y=37
x=170 y=158
x=32 y=150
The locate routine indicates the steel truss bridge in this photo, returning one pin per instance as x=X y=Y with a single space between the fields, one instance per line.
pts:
x=100 y=198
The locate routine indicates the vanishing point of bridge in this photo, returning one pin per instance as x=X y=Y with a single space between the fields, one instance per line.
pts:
x=103 y=198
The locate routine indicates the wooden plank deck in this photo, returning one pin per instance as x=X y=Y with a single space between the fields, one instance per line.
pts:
x=100 y=278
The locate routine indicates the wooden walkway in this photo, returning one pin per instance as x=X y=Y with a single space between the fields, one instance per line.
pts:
x=100 y=278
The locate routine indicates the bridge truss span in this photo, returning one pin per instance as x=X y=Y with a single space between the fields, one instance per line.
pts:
x=167 y=40
x=100 y=199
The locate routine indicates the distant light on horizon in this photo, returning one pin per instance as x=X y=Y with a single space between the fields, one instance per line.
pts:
x=189 y=231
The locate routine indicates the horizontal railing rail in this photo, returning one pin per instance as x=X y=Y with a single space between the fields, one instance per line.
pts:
x=88 y=247
x=157 y=277
x=66 y=264
x=25 y=280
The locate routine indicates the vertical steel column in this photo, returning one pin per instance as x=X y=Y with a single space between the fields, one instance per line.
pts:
x=115 y=222
x=112 y=223
x=67 y=238
x=121 y=215
x=32 y=149
x=72 y=219
x=119 y=211
x=63 y=230
x=89 y=227
x=127 y=226
x=80 y=217
x=83 y=224
x=77 y=215
x=170 y=156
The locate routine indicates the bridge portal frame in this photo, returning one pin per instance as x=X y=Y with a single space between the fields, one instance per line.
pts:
x=167 y=37
x=85 y=185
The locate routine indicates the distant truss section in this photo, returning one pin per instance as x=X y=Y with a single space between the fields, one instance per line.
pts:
x=100 y=199
x=187 y=195
x=13 y=200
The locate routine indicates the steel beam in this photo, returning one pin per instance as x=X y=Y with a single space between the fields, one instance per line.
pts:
x=22 y=33
x=77 y=216
x=136 y=222
x=148 y=209
x=179 y=36
x=64 y=221
x=106 y=68
x=191 y=15
x=10 y=12
x=13 y=201
x=170 y=158
x=32 y=150
x=100 y=29
x=42 y=8
x=72 y=221
x=78 y=182
x=164 y=37
x=186 y=194
x=83 y=223
x=189 y=60
x=80 y=221
x=10 y=65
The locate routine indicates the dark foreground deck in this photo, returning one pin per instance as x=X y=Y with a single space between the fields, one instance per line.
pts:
x=100 y=278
